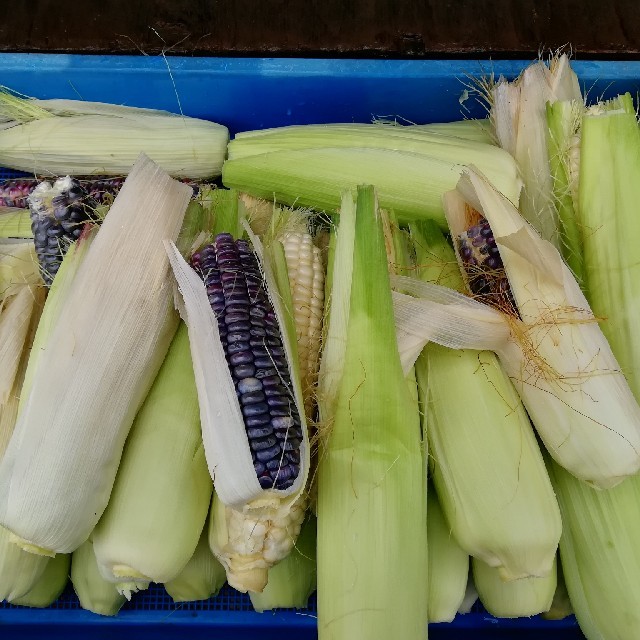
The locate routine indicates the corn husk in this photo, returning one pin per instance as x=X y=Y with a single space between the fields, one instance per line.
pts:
x=202 y=577
x=488 y=473
x=60 y=465
x=516 y=599
x=15 y=223
x=72 y=137
x=160 y=499
x=292 y=581
x=94 y=592
x=557 y=357
x=411 y=168
x=50 y=585
x=518 y=111
x=448 y=566
x=371 y=448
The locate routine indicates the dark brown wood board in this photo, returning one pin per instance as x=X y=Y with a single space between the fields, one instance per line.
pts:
x=356 y=28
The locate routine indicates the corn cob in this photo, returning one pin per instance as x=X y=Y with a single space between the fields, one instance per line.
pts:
x=306 y=277
x=254 y=428
x=253 y=344
x=59 y=213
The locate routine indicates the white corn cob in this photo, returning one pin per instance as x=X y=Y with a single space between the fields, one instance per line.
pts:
x=306 y=277
x=247 y=544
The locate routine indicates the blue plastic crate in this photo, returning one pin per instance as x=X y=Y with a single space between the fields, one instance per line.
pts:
x=253 y=93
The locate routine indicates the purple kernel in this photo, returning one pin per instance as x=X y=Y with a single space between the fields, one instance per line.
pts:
x=279 y=401
x=262 y=444
x=269 y=377
x=237 y=347
x=252 y=398
x=257 y=421
x=249 y=385
x=255 y=409
x=244 y=357
x=282 y=411
x=257 y=312
x=265 y=481
x=293 y=456
x=282 y=474
x=240 y=336
x=292 y=444
x=268 y=454
x=259 y=468
x=257 y=332
x=277 y=390
x=473 y=231
x=236 y=316
x=244 y=371
x=238 y=306
x=235 y=327
x=282 y=423
x=478 y=241
x=276 y=352
x=259 y=432
x=274 y=464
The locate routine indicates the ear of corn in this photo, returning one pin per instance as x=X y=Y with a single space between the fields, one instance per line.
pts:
x=160 y=499
x=516 y=599
x=292 y=581
x=306 y=172
x=600 y=555
x=372 y=446
x=50 y=585
x=94 y=592
x=60 y=465
x=60 y=137
x=569 y=379
x=202 y=577
x=518 y=112
x=500 y=505
x=448 y=566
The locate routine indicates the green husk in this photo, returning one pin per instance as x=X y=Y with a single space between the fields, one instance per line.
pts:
x=488 y=471
x=408 y=182
x=600 y=554
x=372 y=484
x=94 y=592
x=50 y=585
x=561 y=605
x=448 y=566
x=563 y=120
x=609 y=193
x=160 y=499
x=202 y=578
x=15 y=223
x=515 y=599
x=292 y=581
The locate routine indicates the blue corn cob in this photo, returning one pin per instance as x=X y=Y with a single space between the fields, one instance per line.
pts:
x=256 y=357
x=483 y=265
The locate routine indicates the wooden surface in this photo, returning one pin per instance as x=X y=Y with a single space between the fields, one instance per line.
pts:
x=369 y=28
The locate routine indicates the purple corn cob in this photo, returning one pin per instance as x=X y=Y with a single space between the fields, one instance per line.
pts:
x=484 y=267
x=255 y=354
x=59 y=213
x=14 y=193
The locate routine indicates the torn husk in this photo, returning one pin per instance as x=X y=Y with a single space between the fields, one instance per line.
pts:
x=555 y=352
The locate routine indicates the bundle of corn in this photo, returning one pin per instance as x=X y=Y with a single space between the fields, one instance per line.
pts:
x=60 y=137
x=411 y=167
x=94 y=371
x=371 y=471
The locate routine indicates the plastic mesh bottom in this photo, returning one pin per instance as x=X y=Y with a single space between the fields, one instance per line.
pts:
x=155 y=598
